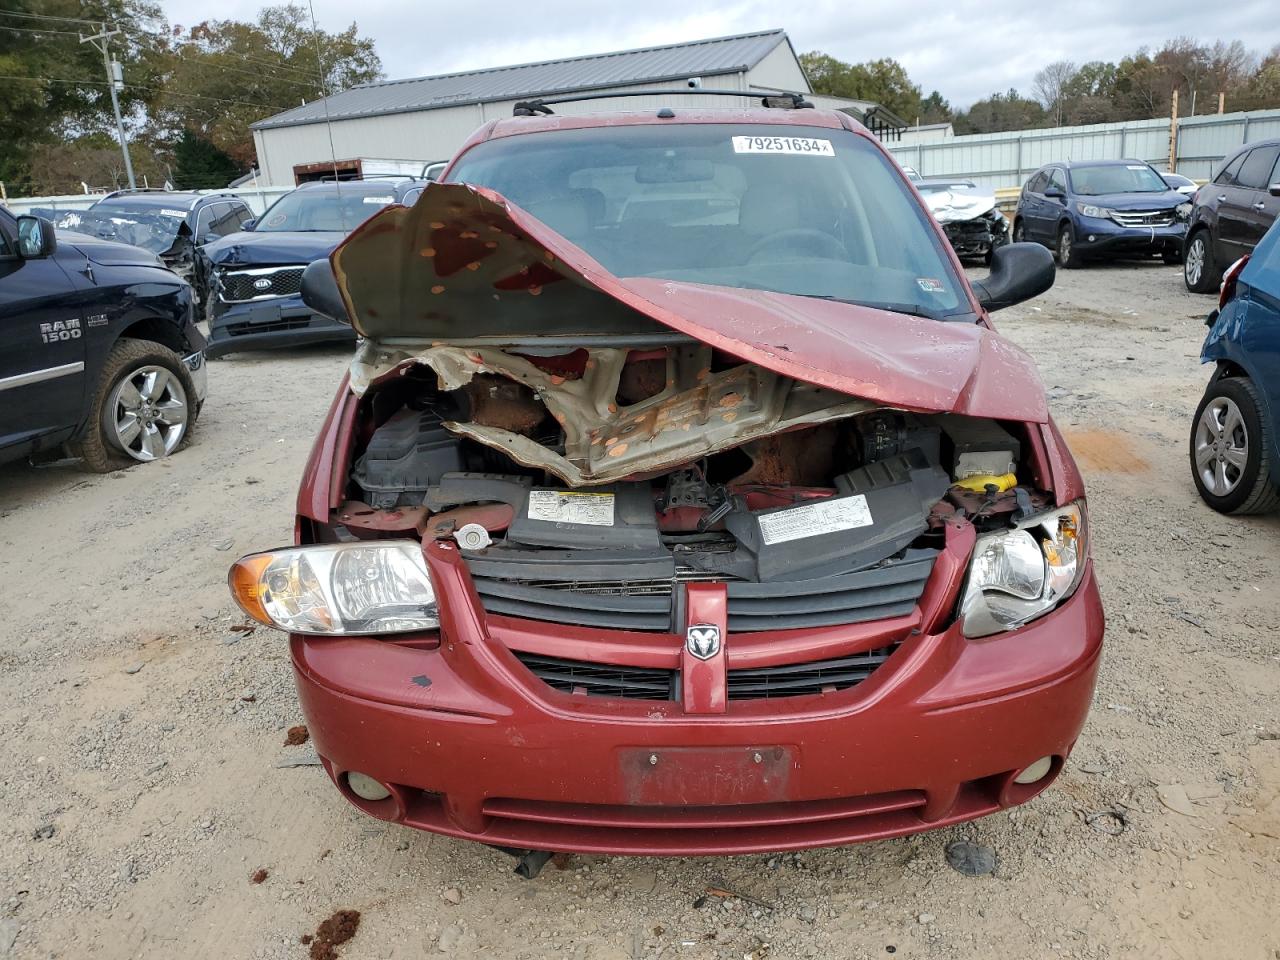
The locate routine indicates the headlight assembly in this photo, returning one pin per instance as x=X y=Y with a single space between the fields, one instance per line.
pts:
x=1183 y=211
x=1020 y=574
x=1089 y=210
x=369 y=587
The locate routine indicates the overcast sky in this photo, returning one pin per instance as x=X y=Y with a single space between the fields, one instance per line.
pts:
x=964 y=48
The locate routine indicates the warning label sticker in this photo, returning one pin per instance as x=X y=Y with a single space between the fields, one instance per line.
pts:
x=565 y=506
x=802 y=146
x=814 y=519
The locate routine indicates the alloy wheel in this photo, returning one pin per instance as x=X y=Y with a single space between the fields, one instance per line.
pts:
x=1221 y=446
x=148 y=413
x=1194 y=265
x=1064 y=247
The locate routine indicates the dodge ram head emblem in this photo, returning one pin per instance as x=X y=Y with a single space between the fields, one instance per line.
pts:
x=703 y=640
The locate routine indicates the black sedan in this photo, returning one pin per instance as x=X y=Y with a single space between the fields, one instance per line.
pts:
x=99 y=353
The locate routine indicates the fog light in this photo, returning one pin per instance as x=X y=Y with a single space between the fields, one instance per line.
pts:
x=367 y=788
x=1092 y=238
x=1037 y=771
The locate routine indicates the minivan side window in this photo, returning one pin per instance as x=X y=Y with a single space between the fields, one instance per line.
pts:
x=1056 y=179
x=1227 y=175
x=1255 y=172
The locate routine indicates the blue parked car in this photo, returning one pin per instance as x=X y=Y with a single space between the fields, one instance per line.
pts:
x=1235 y=453
x=1094 y=208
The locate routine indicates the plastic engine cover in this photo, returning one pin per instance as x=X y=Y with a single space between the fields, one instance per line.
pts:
x=405 y=456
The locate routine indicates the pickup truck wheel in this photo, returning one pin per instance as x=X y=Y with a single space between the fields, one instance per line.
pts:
x=1231 y=445
x=1068 y=257
x=1199 y=272
x=143 y=408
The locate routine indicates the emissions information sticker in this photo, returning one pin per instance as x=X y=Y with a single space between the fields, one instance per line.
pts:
x=564 y=506
x=801 y=145
x=814 y=519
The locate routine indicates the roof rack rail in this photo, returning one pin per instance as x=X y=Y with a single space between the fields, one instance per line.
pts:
x=780 y=99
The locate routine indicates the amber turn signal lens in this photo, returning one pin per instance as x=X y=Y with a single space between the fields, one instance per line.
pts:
x=245 y=581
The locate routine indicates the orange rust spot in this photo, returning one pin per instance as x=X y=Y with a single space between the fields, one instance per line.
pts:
x=613 y=408
x=438 y=288
x=730 y=400
x=685 y=426
x=475 y=358
x=1106 y=451
x=551 y=257
x=468 y=234
x=473 y=266
x=704 y=373
x=618 y=451
x=427 y=252
x=611 y=441
x=437 y=225
x=557 y=379
x=729 y=417
x=491 y=244
x=590 y=364
x=535 y=291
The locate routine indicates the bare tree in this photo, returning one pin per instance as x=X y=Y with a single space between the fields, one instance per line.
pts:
x=1050 y=86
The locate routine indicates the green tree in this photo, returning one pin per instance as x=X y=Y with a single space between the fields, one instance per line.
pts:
x=60 y=91
x=883 y=81
x=198 y=164
x=1000 y=112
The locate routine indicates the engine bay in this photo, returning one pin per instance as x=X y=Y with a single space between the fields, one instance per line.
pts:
x=822 y=488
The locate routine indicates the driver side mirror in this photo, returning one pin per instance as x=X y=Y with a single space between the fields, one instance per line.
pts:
x=1019 y=271
x=320 y=291
x=1054 y=193
x=36 y=238
x=248 y=224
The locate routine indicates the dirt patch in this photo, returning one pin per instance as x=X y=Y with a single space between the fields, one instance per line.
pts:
x=258 y=876
x=333 y=932
x=297 y=736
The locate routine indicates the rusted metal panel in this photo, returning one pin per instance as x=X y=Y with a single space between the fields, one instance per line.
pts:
x=464 y=265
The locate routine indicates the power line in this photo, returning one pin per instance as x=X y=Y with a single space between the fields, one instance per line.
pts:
x=143 y=86
x=51 y=33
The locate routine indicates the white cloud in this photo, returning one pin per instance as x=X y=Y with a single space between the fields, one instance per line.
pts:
x=964 y=48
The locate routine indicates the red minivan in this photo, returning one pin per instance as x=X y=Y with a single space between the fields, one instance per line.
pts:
x=681 y=499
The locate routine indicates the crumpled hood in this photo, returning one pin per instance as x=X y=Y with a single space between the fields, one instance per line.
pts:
x=108 y=253
x=465 y=265
x=951 y=206
x=271 y=248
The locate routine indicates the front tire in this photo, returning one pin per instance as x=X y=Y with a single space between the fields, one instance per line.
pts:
x=143 y=408
x=1199 y=271
x=1068 y=256
x=1019 y=232
x=1231 y=449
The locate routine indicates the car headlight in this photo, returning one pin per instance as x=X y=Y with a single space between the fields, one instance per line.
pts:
x=1183 y=211
x=1089 y=210
x=370 y=587
x=1020 y=574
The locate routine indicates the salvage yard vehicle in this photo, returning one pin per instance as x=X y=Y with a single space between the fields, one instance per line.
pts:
x=99 y=350
x=169 y=224
x=1235 y=454
x=969 y=216
x=1232 y=213
x=251 y=279
x=714 y=531
x=1114 y=208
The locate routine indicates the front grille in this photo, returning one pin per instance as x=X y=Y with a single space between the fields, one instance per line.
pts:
x=1143 y=218
x=270 y=326
x=239 y=286
x=655 y=683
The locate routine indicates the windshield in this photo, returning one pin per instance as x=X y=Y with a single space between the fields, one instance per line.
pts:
x=811 y=211
x=1116 y=178
x=322 y=210
x=154 y=228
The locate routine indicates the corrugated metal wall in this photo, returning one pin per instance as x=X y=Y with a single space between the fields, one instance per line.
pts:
x=1007 y=159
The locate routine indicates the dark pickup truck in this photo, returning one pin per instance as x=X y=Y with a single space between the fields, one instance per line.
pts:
x=99 y=352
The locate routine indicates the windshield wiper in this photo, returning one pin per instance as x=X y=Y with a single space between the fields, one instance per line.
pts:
x=910 y=309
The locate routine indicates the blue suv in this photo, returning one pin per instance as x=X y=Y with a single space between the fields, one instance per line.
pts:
x=1235 y=454
x=1095 y=208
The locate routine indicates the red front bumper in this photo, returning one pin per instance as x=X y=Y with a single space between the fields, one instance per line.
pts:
x=473 y=745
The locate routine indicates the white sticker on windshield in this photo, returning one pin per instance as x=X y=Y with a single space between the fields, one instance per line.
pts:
x=1135 y=166
x=930 y=285
x=380 y=201
x=815 y=519
x=810 y=146
x=564 y=506
x=180 y=214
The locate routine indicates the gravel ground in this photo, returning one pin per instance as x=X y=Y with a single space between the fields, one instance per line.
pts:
x=143 y=744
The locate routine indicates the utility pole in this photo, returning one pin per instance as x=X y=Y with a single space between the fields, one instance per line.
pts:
x=100 y=42
x=1173 y=133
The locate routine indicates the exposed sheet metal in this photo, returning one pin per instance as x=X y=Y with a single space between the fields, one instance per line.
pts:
x=466 y=266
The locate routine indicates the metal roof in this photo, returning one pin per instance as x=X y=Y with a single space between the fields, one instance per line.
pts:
x=676 y=61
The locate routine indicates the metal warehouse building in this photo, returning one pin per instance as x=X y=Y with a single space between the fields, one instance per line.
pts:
x=428 y=118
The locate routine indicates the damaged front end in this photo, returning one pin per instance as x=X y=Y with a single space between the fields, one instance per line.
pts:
x=969 y=217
